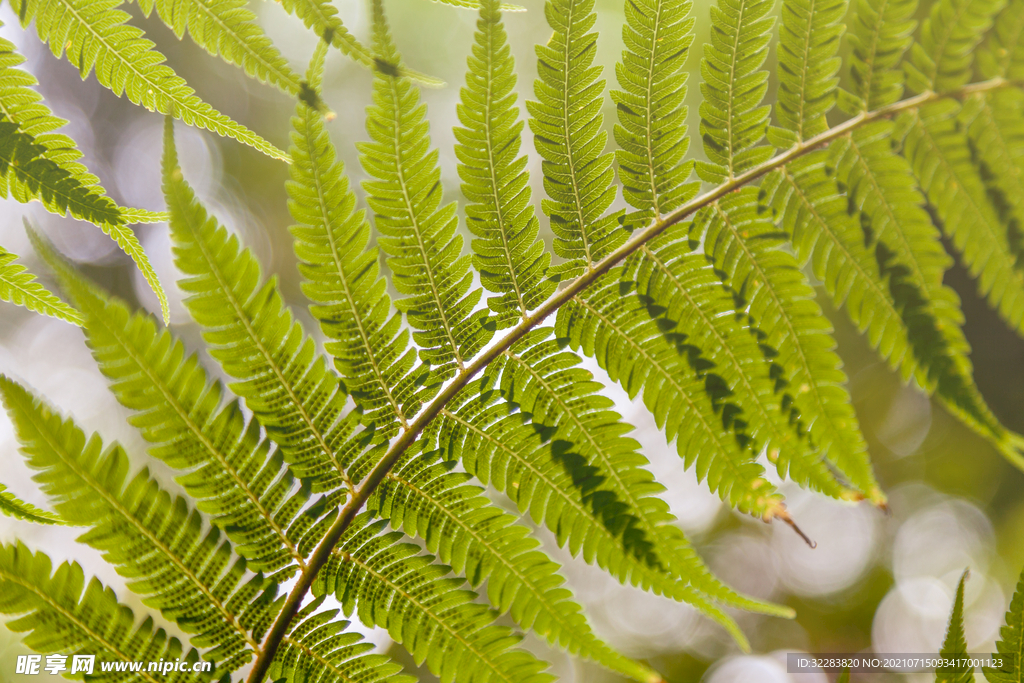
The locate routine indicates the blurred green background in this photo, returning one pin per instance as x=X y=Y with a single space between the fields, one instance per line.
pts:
x=877 y=580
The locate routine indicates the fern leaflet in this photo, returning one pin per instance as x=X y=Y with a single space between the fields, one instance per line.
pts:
x=12 y=506
x=417 y=233
x=511 y=261
x=19 y=286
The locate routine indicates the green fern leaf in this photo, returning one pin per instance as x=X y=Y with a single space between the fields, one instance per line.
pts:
x=511 y=261
x=477 y=4
x=417 y=233
x=955 y=644
x=882 y=31
x=1011 y=643
x=937 y=148
x=651 y=129
x=251 y=332
x=149 y=536
x=342 y=278
x=93 y=34
x=733 y=121
x=228 y=29
x=390 y=584
x=456 y=520
x=19 y=286
x=566 y=122
x=943 y=57
x=12 y=506
x=318 y=649
x=808 y=63
x=58 y=617
x=232 y=473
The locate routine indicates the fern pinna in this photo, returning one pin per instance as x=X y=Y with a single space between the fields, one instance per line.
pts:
x=449 y=367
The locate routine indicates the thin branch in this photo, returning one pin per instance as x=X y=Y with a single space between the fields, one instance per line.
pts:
x=560 y=298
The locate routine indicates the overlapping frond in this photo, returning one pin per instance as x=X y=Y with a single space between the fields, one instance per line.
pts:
x=1011 y=638
x=1003 y=52
x=232 y=473
x=910 y=256
x=20 y=287
x=391 y=585
x=808 y=63
x=642 y=345
x=94 y=35
x=651 y=129
x=36 y=162
x=227 y=28
x=424 y=497
x=250 y=330
x=318 y=649
x=943 y=56
x=418 y=234
x=566 y=122
x=936 y=145
x=59 y=613
x=732 y=119
x=152 y=538
x=12 y=506
x=881 y=32
x=511 y=261
x=745 y=248
x=890 y=294
x=370 y=347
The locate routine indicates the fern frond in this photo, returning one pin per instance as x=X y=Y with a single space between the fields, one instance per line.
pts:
x=12 y=506
x=282 y=378
x=566 y=122
x=94 y=35
x=808 y=63
x=1011 y=637
x=227 y=28
x=19 y=286
x=732 y=119
x=152 y=538
x=744 y=247
x=512 y=262
x=391 y=585
x=58 y=617
x=651 y=129
x=955 y=645
x=319 y=650
x=1002 y=54
x=342 y=278
x=468 y=532
x=943 y=57
x=417 y=233
x=937 y=148
x=231 y=471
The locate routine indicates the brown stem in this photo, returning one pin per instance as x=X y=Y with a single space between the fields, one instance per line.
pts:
x=557 y=300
